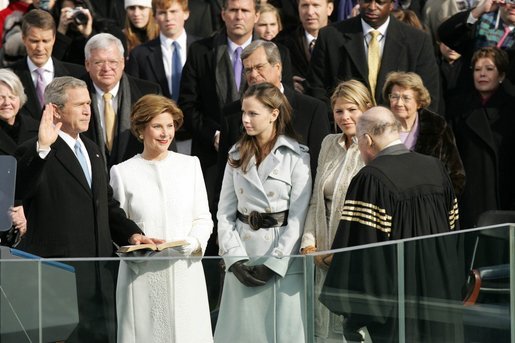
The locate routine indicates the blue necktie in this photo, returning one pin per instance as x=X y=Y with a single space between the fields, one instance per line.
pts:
x=82 y=161
x=176 y=70
x=238 y=67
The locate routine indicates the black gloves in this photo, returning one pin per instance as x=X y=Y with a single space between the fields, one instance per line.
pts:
x=263 y=273
x=352 y=334
x=244 y=274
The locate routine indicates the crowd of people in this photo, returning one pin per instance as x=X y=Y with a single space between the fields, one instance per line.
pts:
x=252 y=130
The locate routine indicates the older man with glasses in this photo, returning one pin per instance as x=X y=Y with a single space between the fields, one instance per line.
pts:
x=112 y=94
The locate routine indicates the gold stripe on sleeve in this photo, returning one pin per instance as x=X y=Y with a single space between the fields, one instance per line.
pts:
x=367 y=214
x=454 y=215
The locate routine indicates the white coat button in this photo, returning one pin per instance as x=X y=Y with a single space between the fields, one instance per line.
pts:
x=271 y=194
x=268 y=237
x=241 y=190
x=276 y=171
x=268 y=210
x=280 y=253
x=246 y=237
x=245 y=210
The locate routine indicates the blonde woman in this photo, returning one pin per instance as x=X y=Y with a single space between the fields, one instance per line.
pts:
x=140 y=25
x=269 y=22
x=338 y=162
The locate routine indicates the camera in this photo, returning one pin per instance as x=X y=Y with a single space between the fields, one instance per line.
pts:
x=78 y=16
x=44 y=5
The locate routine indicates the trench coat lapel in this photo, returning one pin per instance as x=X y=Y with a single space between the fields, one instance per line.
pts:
x=252 y=177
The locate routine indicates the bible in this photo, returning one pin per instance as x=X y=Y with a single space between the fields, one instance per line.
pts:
x=148 y=248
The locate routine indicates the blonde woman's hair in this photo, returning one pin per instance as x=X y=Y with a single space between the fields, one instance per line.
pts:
x=353 y=91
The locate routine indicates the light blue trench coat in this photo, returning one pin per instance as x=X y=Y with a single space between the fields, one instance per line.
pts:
x=274 y=312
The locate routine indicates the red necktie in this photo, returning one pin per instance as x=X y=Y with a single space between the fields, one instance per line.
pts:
x=503 y=38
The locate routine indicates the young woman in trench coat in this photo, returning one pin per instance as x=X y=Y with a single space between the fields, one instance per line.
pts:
x=263 y=205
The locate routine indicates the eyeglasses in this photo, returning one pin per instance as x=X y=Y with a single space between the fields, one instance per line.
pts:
x=4 y=98
x=110 y=64
x=397 y=97
x=258 y=67
x=379 y=3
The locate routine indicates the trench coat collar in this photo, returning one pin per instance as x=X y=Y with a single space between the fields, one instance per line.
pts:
x=269 y=166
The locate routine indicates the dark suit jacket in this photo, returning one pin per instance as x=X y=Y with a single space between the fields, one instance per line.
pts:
x=67 y=218
x=207 y=85
x=339 y=55
x=146 y=63
x=27 y=128
x=21 y=68
x=125 y=145
x=295 y=41
x=309 y=121
x=204 y=17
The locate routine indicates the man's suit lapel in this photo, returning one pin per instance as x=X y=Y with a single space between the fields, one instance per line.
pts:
x=394 y=49
x=33 y=106
x=129 y=90
x=223 y=74
x=155 y=61
x=69 y=161
x=354 y=46
x=59 y=68
x=292 y=99
x=97 y=165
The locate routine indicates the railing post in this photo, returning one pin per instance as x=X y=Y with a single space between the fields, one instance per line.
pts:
x=309 y=281
x=512 y=282
x=401 y=295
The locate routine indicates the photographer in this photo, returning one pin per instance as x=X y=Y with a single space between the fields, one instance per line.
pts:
x=75 y=25
x=75 y=18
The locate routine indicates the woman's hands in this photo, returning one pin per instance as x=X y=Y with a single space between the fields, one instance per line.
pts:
x=251 y=276
x=322 y=261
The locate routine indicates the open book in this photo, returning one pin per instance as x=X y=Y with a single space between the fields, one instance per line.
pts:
x=148 y=248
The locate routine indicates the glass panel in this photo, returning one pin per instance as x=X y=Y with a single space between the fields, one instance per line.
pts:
x=414 y=290
x=404 y=291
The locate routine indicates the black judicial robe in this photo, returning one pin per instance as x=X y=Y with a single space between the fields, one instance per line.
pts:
x=400 y=194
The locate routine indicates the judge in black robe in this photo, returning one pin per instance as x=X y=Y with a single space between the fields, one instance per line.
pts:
x=399 y=194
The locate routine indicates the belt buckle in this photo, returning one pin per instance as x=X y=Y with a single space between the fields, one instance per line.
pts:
x=255 y=220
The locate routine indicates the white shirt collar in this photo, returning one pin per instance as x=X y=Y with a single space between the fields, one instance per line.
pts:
x=382 y=29
x=309 y=37
x=113 y=91
x=166 y=42
x=70 y=141
x=48 y=66
x=233 y=46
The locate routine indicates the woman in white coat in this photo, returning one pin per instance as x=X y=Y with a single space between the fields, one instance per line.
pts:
x=338 y=162
x=263 y=204
x=164 y=193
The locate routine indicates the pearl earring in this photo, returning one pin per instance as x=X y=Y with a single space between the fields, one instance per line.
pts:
x=140 y=136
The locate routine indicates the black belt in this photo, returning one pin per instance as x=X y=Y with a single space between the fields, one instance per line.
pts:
x=258 y=220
